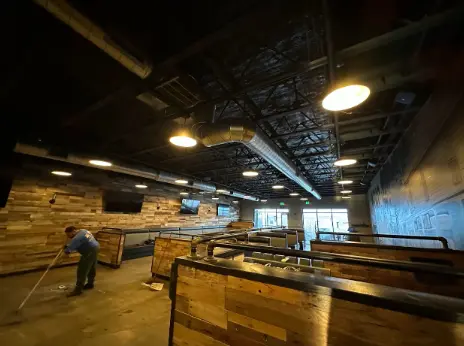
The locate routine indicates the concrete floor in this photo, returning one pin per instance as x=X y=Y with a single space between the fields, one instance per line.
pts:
x=119 y=311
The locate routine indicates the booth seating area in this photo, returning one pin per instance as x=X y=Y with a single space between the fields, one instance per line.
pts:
x=224 y=302
x=117 y=244
x=172 y=244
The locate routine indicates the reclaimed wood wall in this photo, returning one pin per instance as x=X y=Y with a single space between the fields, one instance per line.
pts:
x=395 y=278
x=32 y=229
x=420 y=189
x=213 y=309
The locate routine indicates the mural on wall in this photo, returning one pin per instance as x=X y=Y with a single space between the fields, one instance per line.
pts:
x=428 y=199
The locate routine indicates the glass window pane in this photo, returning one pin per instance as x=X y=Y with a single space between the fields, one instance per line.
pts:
x=285 y=220
x=324 y=210
x=340 y=222
x=324 y=222
x=309 y=210
x=340 y=211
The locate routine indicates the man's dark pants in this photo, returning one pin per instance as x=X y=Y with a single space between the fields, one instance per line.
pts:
x=86 y=269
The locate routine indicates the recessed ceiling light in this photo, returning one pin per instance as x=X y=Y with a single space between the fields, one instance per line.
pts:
x=294 y=194
x=250 y=173
x=303 y=199
x=222 y=191
x=346 y=97
x=346 y=197
x=100 y=163
x=184 y=193
x=215 y=198
x=345 y=162
x=181 y=181
x=141 y=186
x=62 y=173
x=342 y=182
x=278 y=187
x=234 y=201
x=264 y=200
x=346 y=191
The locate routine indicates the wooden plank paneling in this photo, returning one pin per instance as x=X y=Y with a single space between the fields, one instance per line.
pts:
x=430 y=284
x=265 y=314
x=32 y=229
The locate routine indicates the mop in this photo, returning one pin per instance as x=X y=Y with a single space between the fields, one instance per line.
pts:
x=158 y=286
x=19 y=309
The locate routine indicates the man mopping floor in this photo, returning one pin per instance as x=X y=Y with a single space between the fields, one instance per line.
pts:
x=83 y=242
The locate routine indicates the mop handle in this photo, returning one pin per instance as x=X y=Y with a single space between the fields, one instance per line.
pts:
x=40 y=280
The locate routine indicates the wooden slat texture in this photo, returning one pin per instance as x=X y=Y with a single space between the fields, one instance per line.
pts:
x=32 y=229
x=394 y=278
x=111 y=247
x=264 y=314
x=167 y=249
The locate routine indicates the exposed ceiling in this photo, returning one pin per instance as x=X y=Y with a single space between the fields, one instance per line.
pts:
x=269 y=62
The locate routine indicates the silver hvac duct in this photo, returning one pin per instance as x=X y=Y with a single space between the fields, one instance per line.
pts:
x=63 y=11
x=160 y=176
x=250 y=136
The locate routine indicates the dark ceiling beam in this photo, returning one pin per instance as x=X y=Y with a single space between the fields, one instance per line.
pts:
x=362 y=119
x=367 y=148
x=355 y=50
x=377 y=116
x=194 y=154
x=138 y=87
x=311 y=145
x=355 y=135
x=278 y=116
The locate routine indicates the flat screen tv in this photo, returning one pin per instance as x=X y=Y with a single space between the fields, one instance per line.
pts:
x=122 y=202
x=223 y=210
x=189 y=206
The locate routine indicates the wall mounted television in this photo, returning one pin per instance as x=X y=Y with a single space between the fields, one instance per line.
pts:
x=122 y=202
x=223 y=210
x=189 y=206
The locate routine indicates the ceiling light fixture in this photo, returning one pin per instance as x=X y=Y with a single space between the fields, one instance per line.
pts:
x=184 y=193
x=264 y=200
x=343 y=182
x=234 y=201
x=62 y=173
x=250 y=173
x=215 y=198
x=346 y=197
x=181 y=181
x=183 y=138
x=100 y=163
x=303 y=198
x=346 y=97
x=141 y=186
x=294 y=194
x=344 y=162
x=278 y=187
x=222 y=191
x=346 y=191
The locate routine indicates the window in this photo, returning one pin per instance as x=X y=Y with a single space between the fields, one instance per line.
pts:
x=271 y=217
x=326 y=220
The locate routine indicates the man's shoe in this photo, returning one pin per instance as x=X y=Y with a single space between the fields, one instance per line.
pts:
x=74 y=293
x=88 y=286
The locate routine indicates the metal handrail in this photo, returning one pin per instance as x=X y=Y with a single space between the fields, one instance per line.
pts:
x=443 y=240
x=339 y=258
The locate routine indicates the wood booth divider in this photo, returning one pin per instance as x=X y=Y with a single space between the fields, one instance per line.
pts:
x=224 y=302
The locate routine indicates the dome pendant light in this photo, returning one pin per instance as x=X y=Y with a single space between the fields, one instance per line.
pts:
x=346 y=97
x=183 y=137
